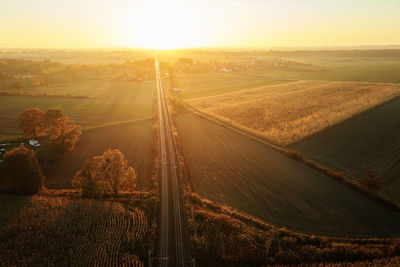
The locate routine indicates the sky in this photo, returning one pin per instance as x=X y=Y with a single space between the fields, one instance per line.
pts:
x=164 y=24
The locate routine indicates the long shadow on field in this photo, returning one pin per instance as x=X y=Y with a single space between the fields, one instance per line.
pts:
x=134 y=140
x=368 y=140
x=10 y=208
x=234 y=170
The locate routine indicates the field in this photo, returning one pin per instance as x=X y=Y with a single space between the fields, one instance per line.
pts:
x=368 y=140
x=208 y=84
x=66 y=230
x=233 y=170
x=373 y=66
x=287 y=113
x=109 y=102
x=220 y=236
x=81 y=56
x=134 y=140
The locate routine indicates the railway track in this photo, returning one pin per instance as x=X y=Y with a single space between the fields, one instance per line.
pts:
x=173 y=250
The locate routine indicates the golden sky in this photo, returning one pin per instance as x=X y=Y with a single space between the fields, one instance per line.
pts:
x=197 y=23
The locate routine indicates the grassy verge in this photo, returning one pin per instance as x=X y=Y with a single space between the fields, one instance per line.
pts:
x=220 y=236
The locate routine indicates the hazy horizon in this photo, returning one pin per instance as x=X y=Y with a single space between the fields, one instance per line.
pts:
x=175 y=24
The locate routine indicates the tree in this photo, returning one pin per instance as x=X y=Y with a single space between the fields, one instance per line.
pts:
x=90 y=182
x=17 y=84
x=105 y=174
x=36 y=82
x=63 y=132
x=31 y=122
x=371 y=180
x=22 y=173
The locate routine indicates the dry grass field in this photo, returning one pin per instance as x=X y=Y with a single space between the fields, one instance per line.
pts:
x=287 y=113
x=134 y=140
x=65 y=230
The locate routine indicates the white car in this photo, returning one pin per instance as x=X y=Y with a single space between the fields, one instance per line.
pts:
x=34 y=143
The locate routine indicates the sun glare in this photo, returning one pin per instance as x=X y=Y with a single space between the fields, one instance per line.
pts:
x=160 y=25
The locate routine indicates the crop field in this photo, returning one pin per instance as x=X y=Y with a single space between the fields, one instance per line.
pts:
x=100 y=56
x=134 y=140
x=209 y=84
x=287 y=113
x=371 y=66
x=368 y=140
x=234 y=170
x=109 y=102
x=216 y=231
x=62 y=231
x=334 y=69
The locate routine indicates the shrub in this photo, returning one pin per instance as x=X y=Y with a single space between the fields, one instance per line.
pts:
x=105 y=174
x=17 y=84
x=21 y=172
x=371 y=181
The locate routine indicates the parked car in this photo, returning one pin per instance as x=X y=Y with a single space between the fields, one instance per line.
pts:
x=34 y=143
x=3 y=146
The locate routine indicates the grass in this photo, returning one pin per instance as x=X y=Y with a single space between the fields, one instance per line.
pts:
x=109 y=102
x=349 y=66
x=220 y=236
x=287 y=113
x=61 y=229
x=232 y=169
x=207 y=84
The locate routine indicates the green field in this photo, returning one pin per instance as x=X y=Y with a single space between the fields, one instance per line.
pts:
x=193 y=85
x=374 y=72
x=109 y=102
x=316 y=66
x=78 y=56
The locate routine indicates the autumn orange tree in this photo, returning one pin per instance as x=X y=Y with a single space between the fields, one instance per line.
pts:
x=31 y=122
x=21 y=172
x=105 y=174
x=63 y=133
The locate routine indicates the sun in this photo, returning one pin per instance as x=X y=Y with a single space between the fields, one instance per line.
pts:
x=163 y=25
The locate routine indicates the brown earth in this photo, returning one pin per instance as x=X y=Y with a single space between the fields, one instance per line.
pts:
x=134 y=140
x=234 y=170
